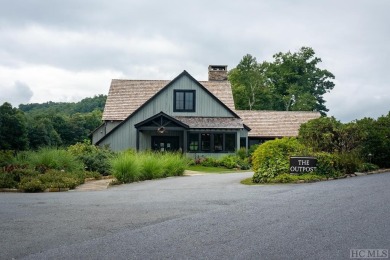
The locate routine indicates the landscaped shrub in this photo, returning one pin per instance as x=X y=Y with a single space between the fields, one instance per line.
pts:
x=7 y=180
x=81 y=148
x=174 y=164
x=126 y=168
x=98 y=161
x=35 y=171
x=6 y=157
x=283 y=178
x=348 y=162
x=130 y=167
x=209 y=162
x=272 y=158
x=230 y=161
x=31 y=185
x=50 y=158
x=241 y=153
x=367 y=167
x=327 y=165
x=289 y=178
x=244 y=164
x=251 y=150
x=271 y=168
x=151 y=166
x=337 y=164
x=13 y=175
x=91 y=175
x=94 y=158
x=19 y=173
x=61 y=179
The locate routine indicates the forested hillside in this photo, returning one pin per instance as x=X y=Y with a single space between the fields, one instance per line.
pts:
x=49 y=124
x=84 y=106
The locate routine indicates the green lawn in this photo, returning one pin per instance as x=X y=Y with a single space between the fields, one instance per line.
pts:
x=200 y=168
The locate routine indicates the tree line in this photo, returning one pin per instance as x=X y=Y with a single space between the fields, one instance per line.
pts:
x=365 y=140
x=49 y=124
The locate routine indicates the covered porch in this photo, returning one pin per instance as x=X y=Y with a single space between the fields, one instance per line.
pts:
x=191 y=135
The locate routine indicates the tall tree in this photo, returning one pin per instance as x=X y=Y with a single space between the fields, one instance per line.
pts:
x=13 y=128
x=248 y=82
x=292 y=81
x=42 y=133
x=297 y=82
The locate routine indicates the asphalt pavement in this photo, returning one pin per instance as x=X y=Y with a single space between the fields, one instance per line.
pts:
x=199 y=217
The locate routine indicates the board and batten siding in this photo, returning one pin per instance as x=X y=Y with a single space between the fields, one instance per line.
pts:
x=121 y=139
x=99 y=133
x=125 y=136
x=104 y=129
x=205 y=105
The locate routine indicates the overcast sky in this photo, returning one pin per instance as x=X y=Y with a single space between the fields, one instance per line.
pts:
x=68 y=50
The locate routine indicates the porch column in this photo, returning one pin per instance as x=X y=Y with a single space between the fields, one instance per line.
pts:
x=137 y=141
x=184 y=141
x=238 y=136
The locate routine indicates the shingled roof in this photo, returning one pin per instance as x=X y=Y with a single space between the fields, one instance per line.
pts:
x=211 y=122
x=126 y=96
x=271 y=124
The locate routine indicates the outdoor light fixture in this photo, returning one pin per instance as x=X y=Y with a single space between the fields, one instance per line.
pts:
x=161 y=129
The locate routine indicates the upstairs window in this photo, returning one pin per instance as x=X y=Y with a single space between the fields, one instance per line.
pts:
x=184 y=101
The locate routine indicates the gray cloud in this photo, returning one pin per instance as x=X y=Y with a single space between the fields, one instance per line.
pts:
x=159 y=39
x=16 y=94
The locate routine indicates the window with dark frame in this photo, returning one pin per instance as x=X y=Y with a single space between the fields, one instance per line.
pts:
x=205 y=142
x=212 y=142
x=242 y=142
x=184 y=100
x=193 y=140
x=230 y=142
x=218 y=142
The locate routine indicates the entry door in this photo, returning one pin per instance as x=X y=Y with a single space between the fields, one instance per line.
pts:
x=165 y=143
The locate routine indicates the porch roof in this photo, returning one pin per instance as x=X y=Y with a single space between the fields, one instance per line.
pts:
x=161 y=120
x=211 y=122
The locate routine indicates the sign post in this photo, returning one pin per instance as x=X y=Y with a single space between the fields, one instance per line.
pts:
x=302 y=164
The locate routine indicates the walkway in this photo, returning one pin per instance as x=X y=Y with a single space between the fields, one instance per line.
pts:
x=94 y=185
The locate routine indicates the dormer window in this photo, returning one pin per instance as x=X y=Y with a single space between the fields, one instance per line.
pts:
x=184 y=101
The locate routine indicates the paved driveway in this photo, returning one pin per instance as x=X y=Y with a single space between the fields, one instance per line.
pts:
x=198 y=217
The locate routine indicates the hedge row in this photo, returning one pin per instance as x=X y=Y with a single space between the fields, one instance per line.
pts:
x=131 y=166
x=271 y=160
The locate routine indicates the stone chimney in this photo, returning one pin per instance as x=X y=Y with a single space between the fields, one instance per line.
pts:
x=217 y=72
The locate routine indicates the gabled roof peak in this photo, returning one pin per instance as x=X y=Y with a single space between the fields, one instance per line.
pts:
x=126 y=96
